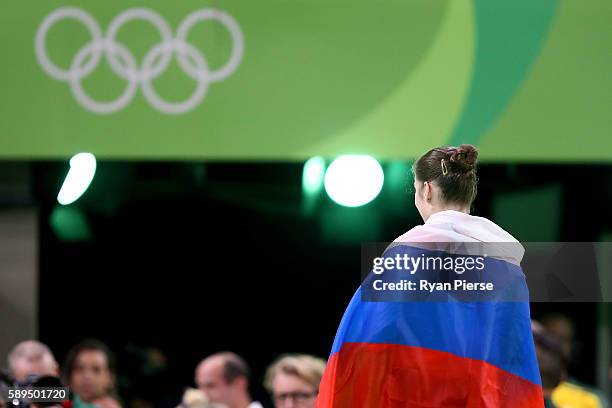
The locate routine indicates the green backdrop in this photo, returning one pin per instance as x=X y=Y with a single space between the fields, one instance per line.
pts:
x=524 y=80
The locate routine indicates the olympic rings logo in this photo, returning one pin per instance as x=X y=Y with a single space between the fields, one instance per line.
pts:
x=155 y=62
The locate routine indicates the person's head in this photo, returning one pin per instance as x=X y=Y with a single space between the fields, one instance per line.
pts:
x=562 y=329
x=31 y=357
x=293 y=380
x=445 y=179
x=89 y=370
x=551 y=360
x=224 y=378
x=195 y=398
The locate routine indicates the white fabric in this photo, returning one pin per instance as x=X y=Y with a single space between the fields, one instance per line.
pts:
x=456 y=226
x=255 y=404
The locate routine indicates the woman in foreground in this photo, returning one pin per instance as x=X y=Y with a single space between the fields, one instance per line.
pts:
x=455 y=352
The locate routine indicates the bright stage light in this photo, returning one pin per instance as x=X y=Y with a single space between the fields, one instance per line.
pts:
x=312 y=175
x=78 y=179
x=354 y=180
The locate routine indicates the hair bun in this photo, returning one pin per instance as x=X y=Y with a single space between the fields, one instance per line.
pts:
x=463 y=158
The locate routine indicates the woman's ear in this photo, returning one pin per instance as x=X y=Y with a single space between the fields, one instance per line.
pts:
x=427 y=191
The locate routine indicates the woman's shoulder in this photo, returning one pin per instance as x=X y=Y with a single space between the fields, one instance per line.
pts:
x=469 y=229
x=422 y=233
x=491 y=230
x=461 y=227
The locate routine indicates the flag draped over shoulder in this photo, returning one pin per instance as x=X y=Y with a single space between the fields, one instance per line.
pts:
x=451 y=352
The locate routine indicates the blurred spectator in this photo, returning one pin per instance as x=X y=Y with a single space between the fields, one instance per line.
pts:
x=143 y=379
x=224 y=378
x=551 y=361
x=31 y=364
x=30 y=358
x=293 y=380
x=570 y=393
x=195 y=398
x=89 y=371
x=6 y=381
x=562 y=329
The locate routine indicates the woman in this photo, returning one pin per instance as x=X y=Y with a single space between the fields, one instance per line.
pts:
x=449 y=348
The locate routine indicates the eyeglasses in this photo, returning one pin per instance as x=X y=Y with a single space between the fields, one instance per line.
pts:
x=297 y=396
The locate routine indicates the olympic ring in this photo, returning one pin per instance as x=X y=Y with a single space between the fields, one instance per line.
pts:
x=123 y=63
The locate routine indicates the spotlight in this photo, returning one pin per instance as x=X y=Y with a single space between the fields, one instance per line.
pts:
x=312 y=175
x=78 y=179
x=354 y=180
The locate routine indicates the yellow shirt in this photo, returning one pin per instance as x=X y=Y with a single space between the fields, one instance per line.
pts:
x=568 y=395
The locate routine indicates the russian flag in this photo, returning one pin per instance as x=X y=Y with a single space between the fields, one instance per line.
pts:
x=446 y=349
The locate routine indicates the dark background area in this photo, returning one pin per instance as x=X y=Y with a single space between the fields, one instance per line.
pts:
x=194 y=258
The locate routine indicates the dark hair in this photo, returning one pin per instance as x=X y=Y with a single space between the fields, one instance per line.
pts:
x=551 y=360
x=453 y=169
x=86 y=345
x=234 y=367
